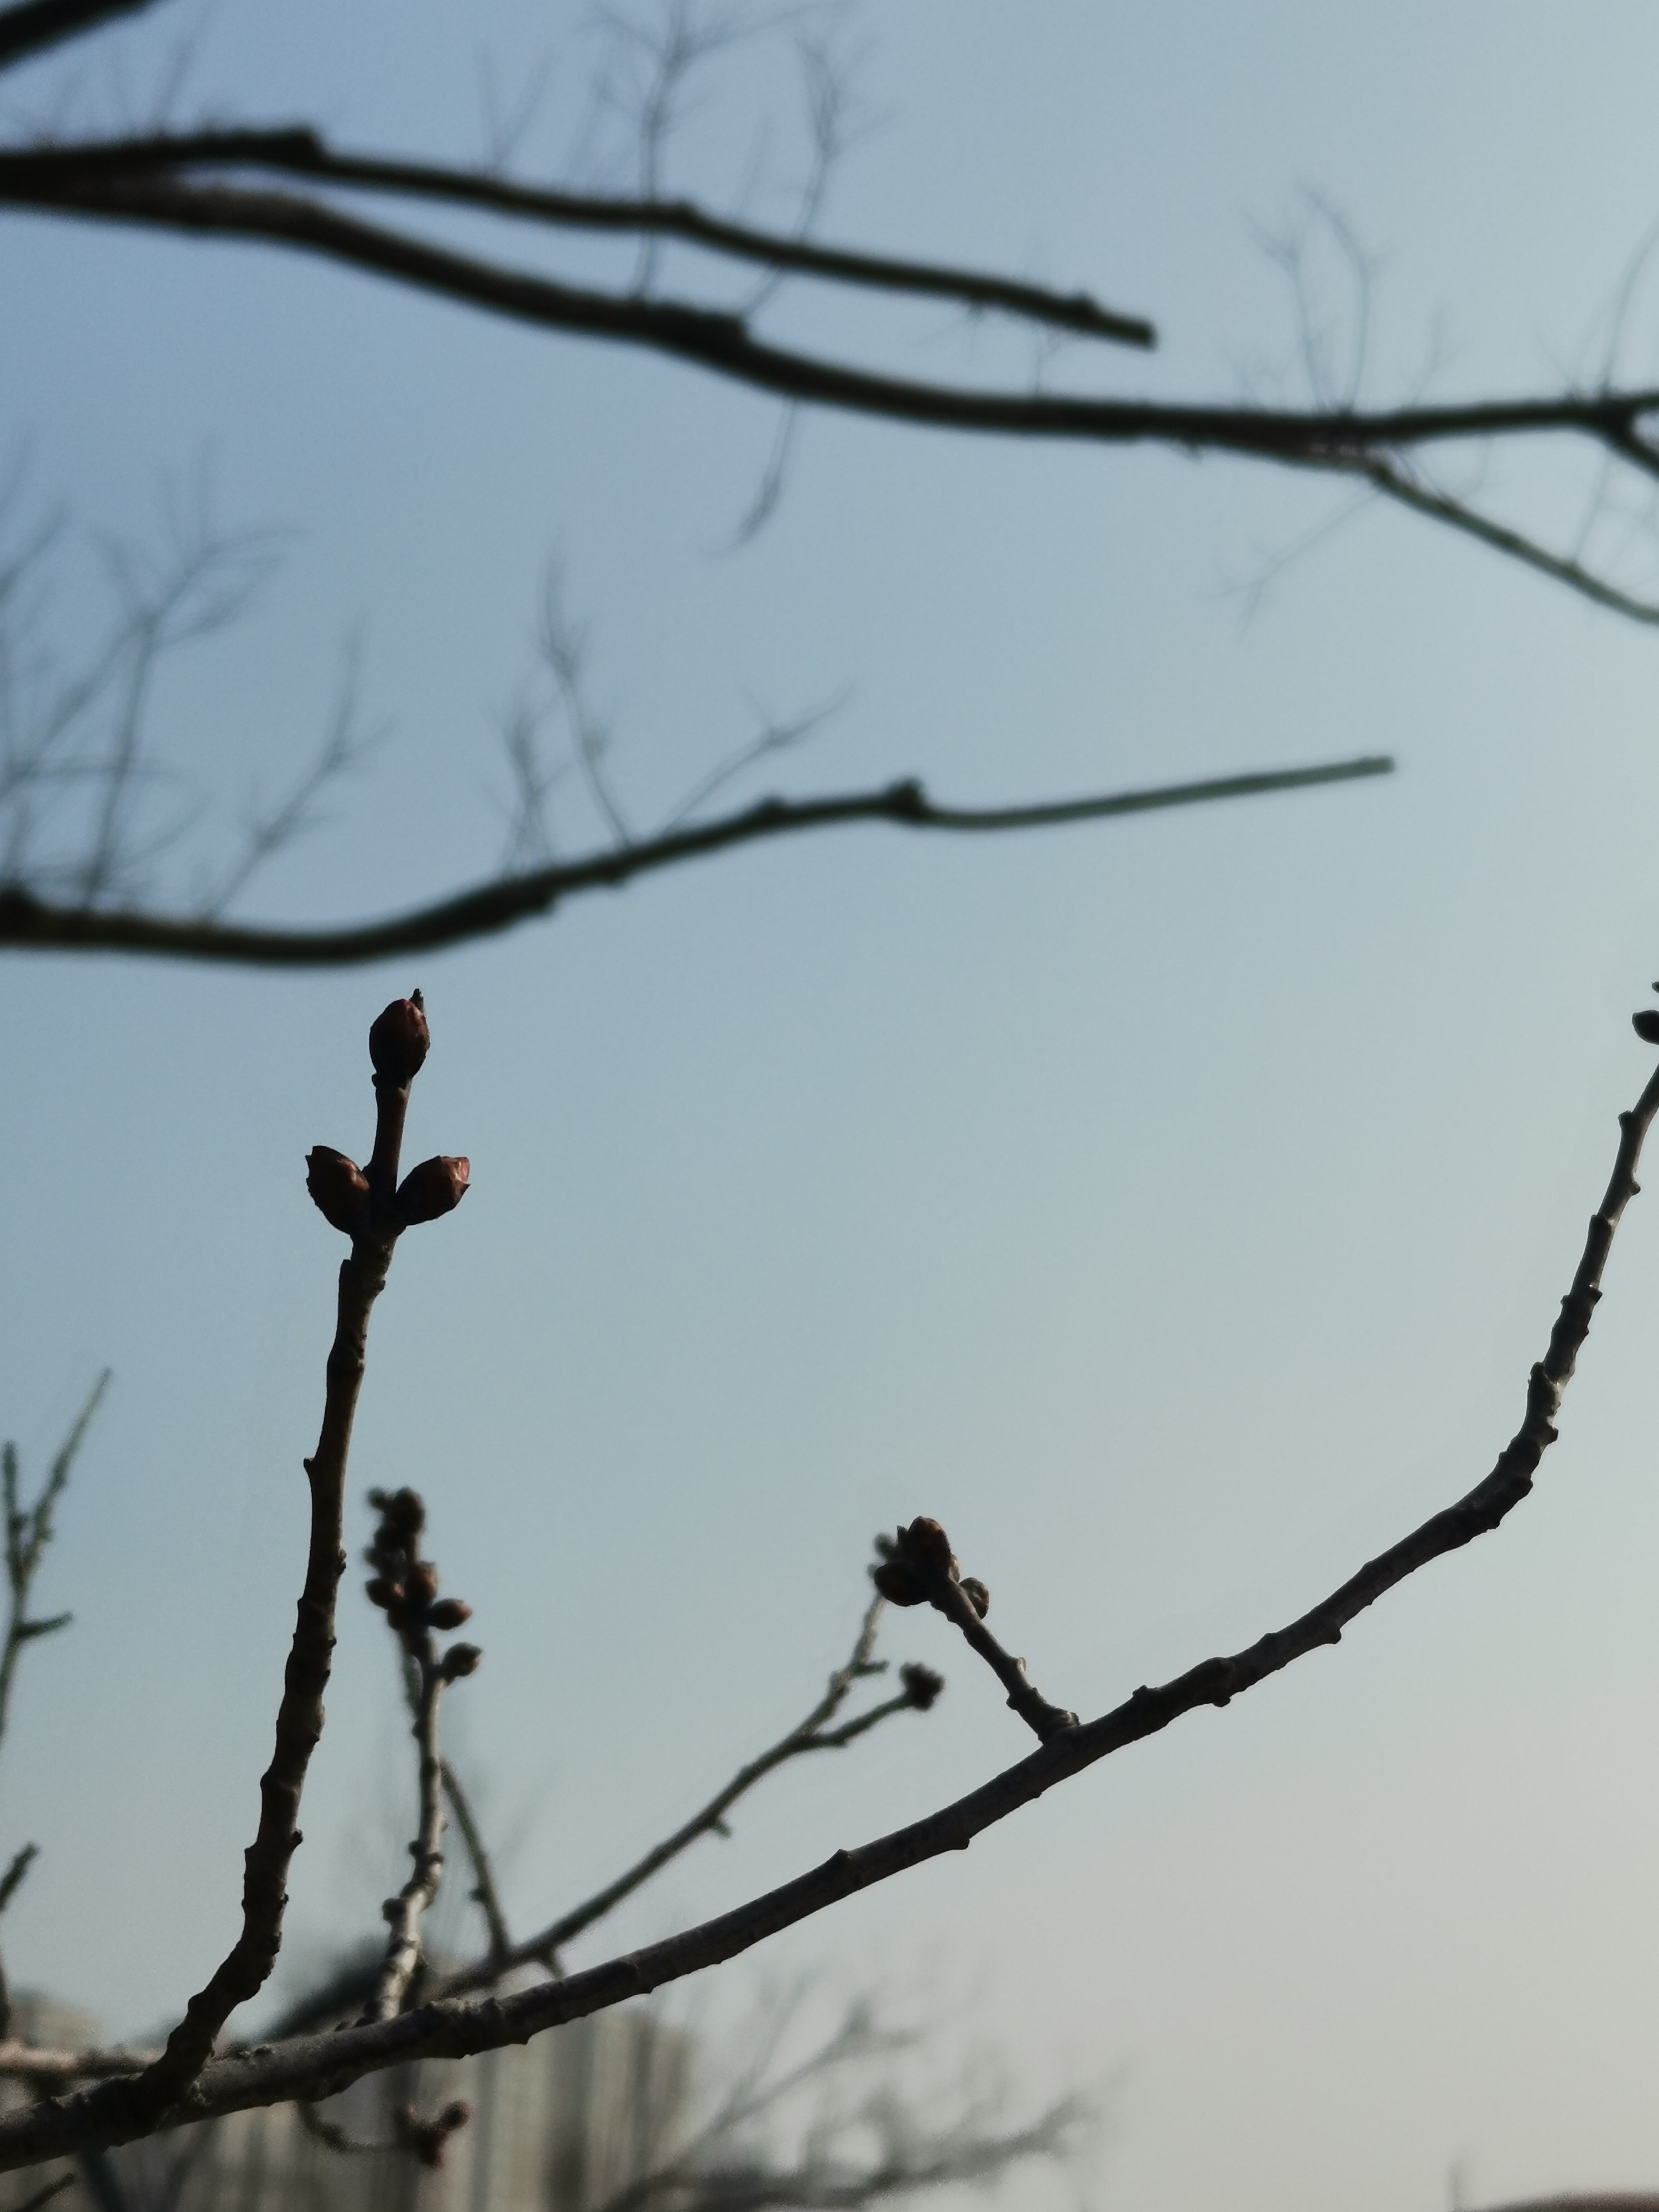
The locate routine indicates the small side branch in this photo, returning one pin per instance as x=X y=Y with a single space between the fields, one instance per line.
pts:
x=28 y=923
x=405 y=1588
x=917 y=1567
x=922 y=1687
x=485 y=1895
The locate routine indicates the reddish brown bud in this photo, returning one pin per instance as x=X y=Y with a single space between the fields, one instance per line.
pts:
x=423 y=1582
x=449 y=1612
x=1646 y=1025
x=461 y=1659
x=378 y=1591
x=976 y=1595
x=437 y=1186
x=338 y=1188
x=406 y=1509
x=399 y=1040
x=896 y=1583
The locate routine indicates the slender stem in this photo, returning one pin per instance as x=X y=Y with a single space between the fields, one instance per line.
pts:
x=247 y=1966
x=33 y=924
x=403 y=1912
x=808 y=1734
x=484 y=1892
x=1043 y=1718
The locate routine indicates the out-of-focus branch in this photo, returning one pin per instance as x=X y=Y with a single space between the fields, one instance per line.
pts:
x=405 y=1588
x=33 y=25
x=29 y=923
x=301 y=152
x=426 y=2141
x=918 y=1568
x=920 y=1689
x=318 y=2066
x=29 y=1532
x=485 y=1895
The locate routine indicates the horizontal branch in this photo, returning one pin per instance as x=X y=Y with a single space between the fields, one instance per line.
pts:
x=318 y=2066
x=1332 y=438
x=300 y=151
x=28 y=923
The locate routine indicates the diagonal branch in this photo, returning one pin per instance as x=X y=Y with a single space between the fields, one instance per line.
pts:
x=812 y=1733
x=29 y=923
x=33 y=25
x=301 y=152
x=319 y=2065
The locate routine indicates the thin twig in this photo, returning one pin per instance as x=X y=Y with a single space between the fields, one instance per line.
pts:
x=33 y=924
x=812 y=1734
x=396 y=1045
x=918 y=1568
x=319 y=2065
x=485 y=1894
x=404 y=1912
x=29 y=1532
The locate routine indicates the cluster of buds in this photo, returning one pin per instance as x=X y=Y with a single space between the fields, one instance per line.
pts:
x=922 y=1685
x=917 y=1565
x=429 y=2139
x=398 y=1042
x=405 y=1586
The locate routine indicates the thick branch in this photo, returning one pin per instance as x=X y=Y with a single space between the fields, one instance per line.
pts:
x=318 y=2066
x=300 y=151
x=36 y=925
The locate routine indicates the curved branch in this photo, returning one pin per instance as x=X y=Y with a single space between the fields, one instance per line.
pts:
x=318 y=2066
x=33 y=25
x=37 y=925
x=300 y=151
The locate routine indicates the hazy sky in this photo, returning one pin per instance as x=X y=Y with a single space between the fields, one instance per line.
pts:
x=1173 y=1207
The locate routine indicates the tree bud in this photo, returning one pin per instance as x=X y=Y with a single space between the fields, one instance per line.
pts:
x=922 y=1685
x=897 y=1584
x=437 y=1186
x=461 y=1659
x=1646 y=1025
x=449 y=1613
x=423 y=1582
x=338 y=1188
x=399 y=1040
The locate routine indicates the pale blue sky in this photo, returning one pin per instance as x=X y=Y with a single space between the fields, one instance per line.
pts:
x=1174 y=1208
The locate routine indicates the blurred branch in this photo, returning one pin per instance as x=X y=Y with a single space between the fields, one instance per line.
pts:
x=29 y=1532
x=920 y=1689
x=50 y=175
x=33 y=25
x=485 y=1894
x=29 y=922
x=404 y=1586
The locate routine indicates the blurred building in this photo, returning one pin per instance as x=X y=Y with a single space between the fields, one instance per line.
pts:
x=565 y=2123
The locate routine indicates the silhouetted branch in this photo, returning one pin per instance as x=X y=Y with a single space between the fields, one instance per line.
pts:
x=922 y=1687
x=33 y=25
x=918 y=1568
x=33 y=924
x=318 y=2066
x=373 y=1209
x=29 y=1532
x=301 y=152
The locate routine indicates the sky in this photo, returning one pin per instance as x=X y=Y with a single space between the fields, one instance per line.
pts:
x=1173 y=1207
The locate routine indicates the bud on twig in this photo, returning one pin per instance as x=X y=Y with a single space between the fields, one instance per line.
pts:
x=922 y=1685
x=338 y=1188
x=1646 y=1025
x=399 y=1040
x=449 y=1613
x=436 y=1187
x=461 y=1659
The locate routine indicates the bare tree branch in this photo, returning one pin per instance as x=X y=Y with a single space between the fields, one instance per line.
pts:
x=33 y=25
x=299 y=151
x=918 y=1568
x=317 y=2066
x=485 y=1894
x=29 y=1532
x=405 y=1588
x=374 y=1209
x=30 y=923
x=922 y=1687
